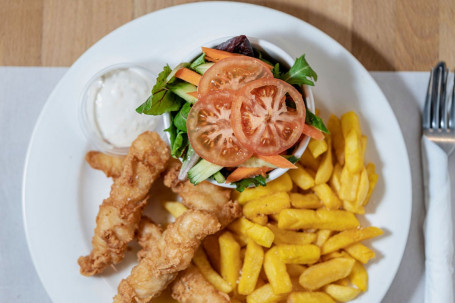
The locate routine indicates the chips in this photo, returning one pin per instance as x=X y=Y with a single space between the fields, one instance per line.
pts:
x=301 y=232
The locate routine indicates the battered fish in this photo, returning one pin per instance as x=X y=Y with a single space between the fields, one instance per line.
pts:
x=148 y=234
x=204 y=196
x=119 y=215
x=192 y=287
x=171 y=254
x=111 y=166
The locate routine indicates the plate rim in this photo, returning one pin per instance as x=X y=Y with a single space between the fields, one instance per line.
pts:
x=401 y=249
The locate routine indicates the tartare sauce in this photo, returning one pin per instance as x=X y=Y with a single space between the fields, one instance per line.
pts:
x=115 y=97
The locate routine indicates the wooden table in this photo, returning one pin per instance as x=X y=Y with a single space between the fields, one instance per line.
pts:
x=382 y=34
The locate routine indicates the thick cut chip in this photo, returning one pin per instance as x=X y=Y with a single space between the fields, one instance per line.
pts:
x=276 y=272
x=325 y=273
x=319 y=219
x=349 y=237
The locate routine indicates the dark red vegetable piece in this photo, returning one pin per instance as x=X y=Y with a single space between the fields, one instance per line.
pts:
x=238 y=45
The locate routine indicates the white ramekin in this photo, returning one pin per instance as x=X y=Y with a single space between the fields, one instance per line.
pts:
x=283 y=58
x=87 y=115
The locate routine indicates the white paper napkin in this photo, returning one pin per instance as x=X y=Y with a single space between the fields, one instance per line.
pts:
x=438 y=227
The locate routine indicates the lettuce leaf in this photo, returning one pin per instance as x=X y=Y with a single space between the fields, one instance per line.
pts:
x=162 y=100
x=180 y=118
x=300 y=73
x=313 y=120
x=245 y=183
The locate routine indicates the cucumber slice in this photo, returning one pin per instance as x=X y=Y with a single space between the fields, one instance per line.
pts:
x=182 y=88
x=218 y=176
x=203 y=67
x=202 y=171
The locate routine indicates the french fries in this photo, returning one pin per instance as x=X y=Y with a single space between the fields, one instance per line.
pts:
x=175 y=208
x=327 y=196
x=262 y=235
x=265 y=294
x=341 y=293
x=360 y=252
x=359 y=276
x=301 y=177
x=230 y=258
x=326 y=272
x=291 y=237
x=319 y=219
x=201 y=261
x=317 y=147
x=283 y=184
x=325 y=168
x=299 y=238
x=267 y=205
x=334 y=127
x=309 y=297
x=252 y=265
x=276 y=272
x=349 y=237
x=299 y=254
x=305 y=200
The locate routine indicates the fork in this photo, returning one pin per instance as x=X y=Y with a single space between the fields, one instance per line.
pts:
x=438 y=142
x=438 y=123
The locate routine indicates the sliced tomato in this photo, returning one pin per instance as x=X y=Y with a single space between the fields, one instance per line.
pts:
x=262 y=118
x=210 y=132
x=232 y=73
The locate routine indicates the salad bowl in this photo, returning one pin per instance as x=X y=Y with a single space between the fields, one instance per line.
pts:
x=286 y=60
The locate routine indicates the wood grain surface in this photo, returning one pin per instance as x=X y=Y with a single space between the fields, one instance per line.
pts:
x=382 y=34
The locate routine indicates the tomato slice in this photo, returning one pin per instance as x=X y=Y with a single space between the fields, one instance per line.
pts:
x=210 y=132
x=232 y=73
x=262 y=120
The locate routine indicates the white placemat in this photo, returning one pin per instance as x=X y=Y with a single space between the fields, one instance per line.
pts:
x=23 y=92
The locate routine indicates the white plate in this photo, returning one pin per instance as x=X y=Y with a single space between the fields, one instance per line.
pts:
x=61 y=194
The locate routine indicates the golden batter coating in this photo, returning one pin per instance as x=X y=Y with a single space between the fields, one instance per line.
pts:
x=111 y=166
x=171 y=254
x=191 y=287
x=204 y=196
x=119 y=215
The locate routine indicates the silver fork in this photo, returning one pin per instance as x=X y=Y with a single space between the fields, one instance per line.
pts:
x=438 y=142
x=438 y=121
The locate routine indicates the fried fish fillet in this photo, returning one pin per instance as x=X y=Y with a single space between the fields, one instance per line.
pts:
x=171 y=254
x=111 y=166
x=204 y=196
x=119 y=215
x=191 y=287
x=148 y=234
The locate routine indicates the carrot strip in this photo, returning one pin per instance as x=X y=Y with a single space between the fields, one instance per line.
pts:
x=215 y=55
x=245 y=172
x=188 y=75
x=193 y=94
x=312 y=132
x=278 y=161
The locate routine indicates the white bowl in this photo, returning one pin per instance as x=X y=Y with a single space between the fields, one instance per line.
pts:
x=285 y=59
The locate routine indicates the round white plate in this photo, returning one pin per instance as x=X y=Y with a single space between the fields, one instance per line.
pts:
x=61 y=193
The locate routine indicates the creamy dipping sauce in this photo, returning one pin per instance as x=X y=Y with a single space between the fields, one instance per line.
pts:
x=115 y=97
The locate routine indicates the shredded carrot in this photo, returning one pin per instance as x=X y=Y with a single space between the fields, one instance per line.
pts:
x=193 y=94
x=215 y=55
x=188 y=75
x=278 y=161
x=312 y=132
x=245 y=172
